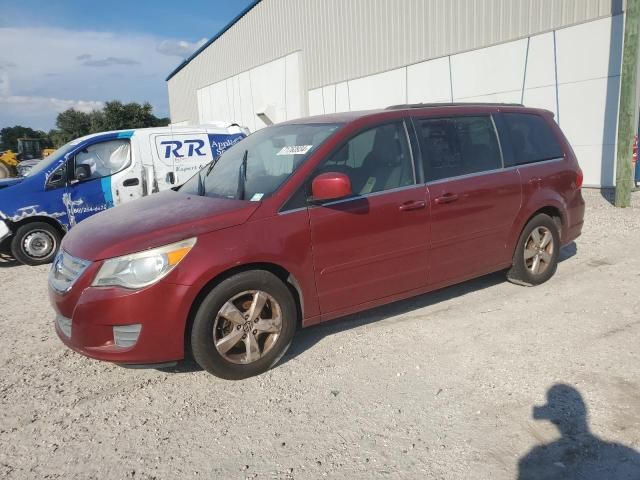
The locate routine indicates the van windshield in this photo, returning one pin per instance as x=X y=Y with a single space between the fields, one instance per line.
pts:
x=51 y=160
x=255 y=167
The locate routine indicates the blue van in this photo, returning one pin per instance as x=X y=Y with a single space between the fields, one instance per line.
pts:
x=97 y=172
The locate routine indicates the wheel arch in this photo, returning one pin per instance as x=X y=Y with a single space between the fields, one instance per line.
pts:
x=550 y=204
x=40 y=218
x=279 y=271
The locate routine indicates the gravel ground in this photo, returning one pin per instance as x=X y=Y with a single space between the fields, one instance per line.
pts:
x=439 y=386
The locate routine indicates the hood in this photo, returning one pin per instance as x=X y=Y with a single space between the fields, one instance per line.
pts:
x=7 y=182
x=153 y=221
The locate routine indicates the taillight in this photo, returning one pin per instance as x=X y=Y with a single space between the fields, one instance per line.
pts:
x=579 y=178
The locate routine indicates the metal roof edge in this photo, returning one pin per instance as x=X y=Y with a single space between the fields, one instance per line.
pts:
x=213 y=39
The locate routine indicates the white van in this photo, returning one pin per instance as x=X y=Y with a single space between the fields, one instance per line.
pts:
x=97 y=172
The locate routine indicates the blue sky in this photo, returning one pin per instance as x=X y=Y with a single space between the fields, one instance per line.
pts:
x=77 y=54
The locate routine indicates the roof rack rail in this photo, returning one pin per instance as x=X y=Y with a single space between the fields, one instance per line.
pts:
x=452 y=104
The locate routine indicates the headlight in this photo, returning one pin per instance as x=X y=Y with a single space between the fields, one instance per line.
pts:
x=142 y=269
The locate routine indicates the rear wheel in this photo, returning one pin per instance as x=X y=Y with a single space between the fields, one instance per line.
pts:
x=244 y=325
x=35 y=243
x=536 y=257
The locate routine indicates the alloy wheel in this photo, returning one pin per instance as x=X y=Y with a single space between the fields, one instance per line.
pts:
x=538 y=250
x=247 y=326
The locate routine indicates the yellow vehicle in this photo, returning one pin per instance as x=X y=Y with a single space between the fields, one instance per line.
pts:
x=28 y=149
x=8 y=163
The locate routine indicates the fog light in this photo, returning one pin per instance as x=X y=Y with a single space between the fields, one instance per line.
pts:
x=64 y=324
x=126 y=335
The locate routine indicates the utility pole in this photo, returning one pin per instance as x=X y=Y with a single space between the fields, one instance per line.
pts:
x=628 y=105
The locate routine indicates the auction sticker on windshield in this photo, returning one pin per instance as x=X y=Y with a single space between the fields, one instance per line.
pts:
x=295 y=150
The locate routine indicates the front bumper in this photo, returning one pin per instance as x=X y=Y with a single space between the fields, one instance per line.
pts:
x=92 y=313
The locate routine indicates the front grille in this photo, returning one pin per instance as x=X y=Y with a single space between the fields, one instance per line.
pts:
x=65 y=270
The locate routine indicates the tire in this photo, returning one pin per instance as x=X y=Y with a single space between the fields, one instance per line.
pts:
x=523 y=270
x=35 y=243
x=213 y=323
x=4 y=171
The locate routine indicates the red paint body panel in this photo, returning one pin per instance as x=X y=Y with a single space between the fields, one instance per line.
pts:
x=153 y=221
x=471 y=233
x=330 y=186
x=341 y=257
x=162 y=309
x=368 y=248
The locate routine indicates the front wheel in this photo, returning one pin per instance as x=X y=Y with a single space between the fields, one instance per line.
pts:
x=35 y=243
x=536 y=257
x=244 y=325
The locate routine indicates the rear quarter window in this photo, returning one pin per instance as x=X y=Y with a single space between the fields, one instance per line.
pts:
x=532 y=139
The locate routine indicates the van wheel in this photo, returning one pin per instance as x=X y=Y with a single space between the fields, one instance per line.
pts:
x=244 y=325
x=536 y=257
x=35 y=243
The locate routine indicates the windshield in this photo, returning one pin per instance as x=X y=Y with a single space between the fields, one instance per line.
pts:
x=51 y=159
x=255 y=167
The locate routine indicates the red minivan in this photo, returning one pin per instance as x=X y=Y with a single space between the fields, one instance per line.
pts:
x=314 y=219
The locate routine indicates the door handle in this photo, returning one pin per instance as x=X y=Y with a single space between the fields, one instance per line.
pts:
x=131 y=182
x=447 y=198
x=412 y=205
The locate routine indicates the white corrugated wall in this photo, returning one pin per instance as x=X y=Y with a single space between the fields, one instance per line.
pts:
x=347 y=39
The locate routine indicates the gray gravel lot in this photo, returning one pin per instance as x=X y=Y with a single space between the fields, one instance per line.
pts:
x=440 y=386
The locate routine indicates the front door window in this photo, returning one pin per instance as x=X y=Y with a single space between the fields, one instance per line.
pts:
x=106 y=158
x=375 y=160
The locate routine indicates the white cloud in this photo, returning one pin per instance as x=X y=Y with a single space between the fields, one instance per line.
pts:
x=43 y=103
x=179 y=48
x=5 y=86
x=46 y=70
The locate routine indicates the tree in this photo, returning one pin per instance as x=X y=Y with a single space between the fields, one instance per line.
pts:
x=72 y=124
x=120 y=116
x=9 y=136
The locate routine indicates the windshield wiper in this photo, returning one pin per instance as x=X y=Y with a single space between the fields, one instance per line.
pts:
x=242 y=176
x=201 y=186
x=201 y=190
x=211 y=165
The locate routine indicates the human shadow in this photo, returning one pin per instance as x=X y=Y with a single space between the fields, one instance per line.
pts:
x=578 y=454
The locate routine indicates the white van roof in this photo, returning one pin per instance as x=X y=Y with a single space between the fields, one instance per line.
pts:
x=214 y=127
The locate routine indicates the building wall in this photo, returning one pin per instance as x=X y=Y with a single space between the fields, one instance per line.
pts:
x=289 y=58
x=346 y=39
x=574 y=72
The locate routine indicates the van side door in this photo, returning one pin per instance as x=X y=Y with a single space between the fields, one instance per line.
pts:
x=129 y=184
x=474 y=200
x=92 y=181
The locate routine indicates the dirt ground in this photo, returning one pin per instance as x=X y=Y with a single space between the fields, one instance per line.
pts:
x=440 y=386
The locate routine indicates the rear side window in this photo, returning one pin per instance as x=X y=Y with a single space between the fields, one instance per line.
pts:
x=457 y=146
x=531 y=138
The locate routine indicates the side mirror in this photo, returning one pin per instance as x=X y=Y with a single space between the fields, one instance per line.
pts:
x=330 y=186
x=171 y=178
x=82 y=172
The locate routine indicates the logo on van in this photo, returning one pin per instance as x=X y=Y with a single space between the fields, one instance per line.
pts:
x=176 y=148
x=220 y=144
